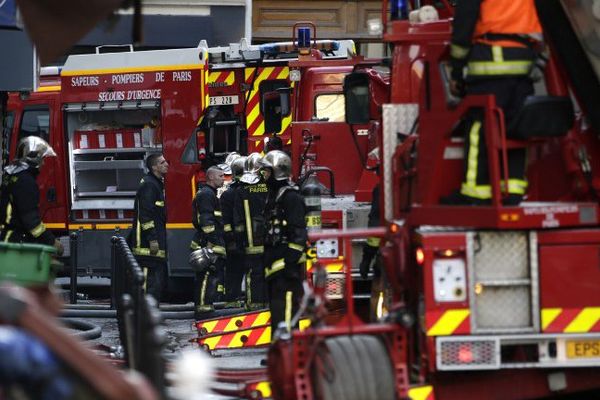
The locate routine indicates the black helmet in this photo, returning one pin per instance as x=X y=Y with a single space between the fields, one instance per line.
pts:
x=280 y=163
x=33 y=149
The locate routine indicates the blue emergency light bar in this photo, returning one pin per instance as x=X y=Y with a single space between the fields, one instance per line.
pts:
x=303 y=37
x=399 y=9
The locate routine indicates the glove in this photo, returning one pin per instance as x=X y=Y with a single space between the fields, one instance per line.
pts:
x=457 y=79
x=59 y=247
x=154 y=247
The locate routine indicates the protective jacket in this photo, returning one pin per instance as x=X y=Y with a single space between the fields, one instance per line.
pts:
x=494 y=38
x=208 y=221
x=286 y=232
x=20 y=219
x=227 y=199
x=150 y=218
x=248 y=216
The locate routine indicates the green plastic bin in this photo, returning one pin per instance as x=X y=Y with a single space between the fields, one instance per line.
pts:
x=26 y=264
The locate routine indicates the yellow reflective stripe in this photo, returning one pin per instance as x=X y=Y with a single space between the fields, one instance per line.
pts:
x=288 y=310
x=8 y=213
x=159 y=203
x=420 y=393
x=499 y=68
x=302 y=258
x=515 y=186
x=138 y=232
x=373 y=241
x=194 y=245
x=218 y=214
x=208 y=228
x=448 y=323
x=497 y=54
x=140 y=251
x=585 y=320
x=296 y=246
x=148 y=225
x=277 y=266
x=8 y=235
x=203 y=290
x=248 y=223
x=217 y=249
x=38 y=230
x=239 y=228
x=549 y=315
x=473 y=154
x=227 y=227
x=255 y=249
x=459 y=52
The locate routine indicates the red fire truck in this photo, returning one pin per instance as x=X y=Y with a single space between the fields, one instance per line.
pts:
x=104 y=113
x=480 y=302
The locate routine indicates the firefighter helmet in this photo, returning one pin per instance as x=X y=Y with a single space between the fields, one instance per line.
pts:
x=201 y=259
x=252 y=164
x=226 y=166
x=33 y=149
x=280 y=163
x=237 y=167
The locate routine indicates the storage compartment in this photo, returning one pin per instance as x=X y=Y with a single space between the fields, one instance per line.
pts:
x=107 y=152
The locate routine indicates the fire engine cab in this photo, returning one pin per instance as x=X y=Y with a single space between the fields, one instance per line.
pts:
x=105 y=113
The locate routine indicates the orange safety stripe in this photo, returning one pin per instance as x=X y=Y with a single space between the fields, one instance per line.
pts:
x=570 y=320
x=448 y=322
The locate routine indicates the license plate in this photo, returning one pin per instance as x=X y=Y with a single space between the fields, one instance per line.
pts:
x=223 y=100
x=583 y=348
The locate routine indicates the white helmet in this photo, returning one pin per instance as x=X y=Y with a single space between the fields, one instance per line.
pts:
x=33 y=149
x=280 y=163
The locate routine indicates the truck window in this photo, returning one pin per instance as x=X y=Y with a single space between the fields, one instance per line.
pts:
x=271 y=86
x=330 y=107
x=35 y=122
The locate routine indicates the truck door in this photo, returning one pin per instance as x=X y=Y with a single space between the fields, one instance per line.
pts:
x=41 y=119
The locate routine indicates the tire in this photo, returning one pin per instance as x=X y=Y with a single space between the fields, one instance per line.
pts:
x=353 y=368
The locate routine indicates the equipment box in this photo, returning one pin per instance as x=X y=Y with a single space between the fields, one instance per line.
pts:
x=26 y=264
x=107 y=139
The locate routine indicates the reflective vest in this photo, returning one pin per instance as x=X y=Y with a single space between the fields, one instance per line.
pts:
x=507 y=17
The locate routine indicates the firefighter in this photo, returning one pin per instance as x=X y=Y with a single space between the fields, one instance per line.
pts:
x=371 y=247
x=497 y=40
x=285 y=242
x=148 y=236
x=234 y=268
x=208 y=221
x=20 y=220
x=249 y=228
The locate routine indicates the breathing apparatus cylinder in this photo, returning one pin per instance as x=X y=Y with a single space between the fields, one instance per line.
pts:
x=311 y=190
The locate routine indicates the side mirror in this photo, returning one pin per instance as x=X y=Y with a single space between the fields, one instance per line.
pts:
x=275 y=105
x=356 y=93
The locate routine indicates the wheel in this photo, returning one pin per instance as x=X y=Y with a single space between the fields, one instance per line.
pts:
x=353 y=368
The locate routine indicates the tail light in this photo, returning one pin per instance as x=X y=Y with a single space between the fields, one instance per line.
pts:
x=201 y=145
